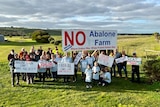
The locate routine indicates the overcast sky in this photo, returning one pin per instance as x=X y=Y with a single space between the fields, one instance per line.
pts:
x=126 y=16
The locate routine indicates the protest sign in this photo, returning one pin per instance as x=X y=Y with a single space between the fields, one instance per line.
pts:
x=134 y=61
x=78 y=57
x=46 y=64
x=121 y=59
x=25 y=66
x=105 y=60
x=65 y=69
x=88 y=39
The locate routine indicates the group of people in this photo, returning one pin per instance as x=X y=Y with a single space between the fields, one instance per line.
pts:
x=93 y=73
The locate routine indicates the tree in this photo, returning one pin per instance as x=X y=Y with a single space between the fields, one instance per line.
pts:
x=156 y=35
x=40 y=36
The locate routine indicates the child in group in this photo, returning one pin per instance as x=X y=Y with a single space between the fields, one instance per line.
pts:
x=96 y=70
x=83 y=63
x=105 y=77
x=88 y=78
x=135 y=70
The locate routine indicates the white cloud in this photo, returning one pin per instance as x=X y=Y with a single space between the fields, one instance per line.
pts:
x=126 y=16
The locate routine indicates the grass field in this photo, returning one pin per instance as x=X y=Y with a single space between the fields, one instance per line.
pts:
x=120 y=93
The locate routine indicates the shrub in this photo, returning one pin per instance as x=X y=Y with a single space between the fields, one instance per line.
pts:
x=58 y=42
x=152 y=69
x=50 y=39
x=42 y=39
x=40 y=36
x=52 y=42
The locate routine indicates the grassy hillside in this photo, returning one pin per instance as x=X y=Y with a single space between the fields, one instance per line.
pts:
x=120 y=93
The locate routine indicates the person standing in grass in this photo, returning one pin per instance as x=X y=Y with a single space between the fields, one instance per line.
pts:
x=66 y=59
x=83 y=64
x=96 y=70
x=12 y=59
x=74 y=54
x=135 y=70
x=54 y=69
x=119 y=65
x=88 y=78
x=124 y=65
x=105 y=77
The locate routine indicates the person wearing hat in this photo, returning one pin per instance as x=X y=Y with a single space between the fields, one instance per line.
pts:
x=135 y=70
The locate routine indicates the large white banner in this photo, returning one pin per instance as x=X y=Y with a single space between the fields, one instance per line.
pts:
x=134 y=61
x=105 y=60
x=89 y=39
x=26 y=66
x=78 y=57
x=121 y=59
x=65 y=69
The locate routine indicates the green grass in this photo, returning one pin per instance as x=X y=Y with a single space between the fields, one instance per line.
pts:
x=120 y=93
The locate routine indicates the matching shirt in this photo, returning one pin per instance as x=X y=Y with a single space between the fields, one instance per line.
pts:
x=96 y=71
x=83 y=64
x=90 y=60
x=66 y=59
x=88 y=73
x=107 y=77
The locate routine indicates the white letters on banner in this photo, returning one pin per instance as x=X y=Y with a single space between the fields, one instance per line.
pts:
x=78 y=57
x=65 y=69
x=46 y=64
x=134 y=61
x=105 y=60
x=25 y=66
x=89 y=39
x=121 y=59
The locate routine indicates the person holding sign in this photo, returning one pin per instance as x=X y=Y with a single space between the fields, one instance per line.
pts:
x=66 y=59
x=83 y=64
x=124 y=65
x=135 y=70
x=88 y=78
x=118 y=55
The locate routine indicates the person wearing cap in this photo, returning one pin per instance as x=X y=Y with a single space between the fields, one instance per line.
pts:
x=135 y=70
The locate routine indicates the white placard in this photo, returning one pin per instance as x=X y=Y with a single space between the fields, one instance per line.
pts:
x=78 y=57
x=46 y=64
x=26 y=66
x=89 y=39
x=105 y=60
x=121 y=59
x=65 y=69
x=134 y=61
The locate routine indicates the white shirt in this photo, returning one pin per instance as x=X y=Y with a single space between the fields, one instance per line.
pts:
x=96 y=70
x=88 y=73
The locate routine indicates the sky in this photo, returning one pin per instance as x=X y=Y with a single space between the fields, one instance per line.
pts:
x=125 y=16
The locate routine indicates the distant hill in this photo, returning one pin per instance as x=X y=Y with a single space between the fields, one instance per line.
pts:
x=15 y=31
